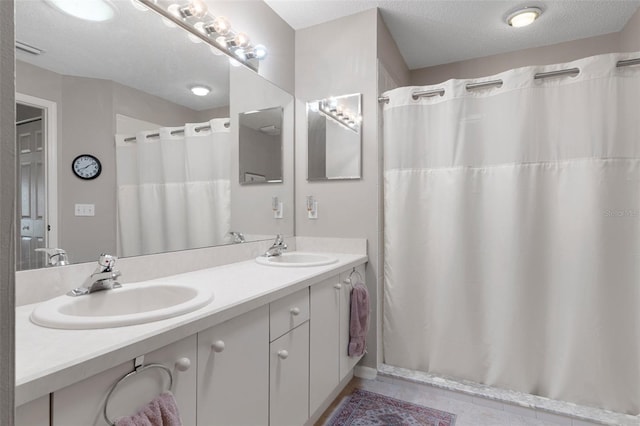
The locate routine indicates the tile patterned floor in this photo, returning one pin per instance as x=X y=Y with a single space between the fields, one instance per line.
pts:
x=470 y=411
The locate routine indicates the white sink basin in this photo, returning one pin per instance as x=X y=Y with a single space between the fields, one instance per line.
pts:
x=129 y=305
x=298 y=259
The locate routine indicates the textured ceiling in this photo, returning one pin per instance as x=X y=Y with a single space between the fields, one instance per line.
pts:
x=134 y=49
x=434 y=32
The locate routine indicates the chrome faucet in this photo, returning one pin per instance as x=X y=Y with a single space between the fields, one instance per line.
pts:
x=103 y=278
x=238 y=237
x=55 y=256
x=277 y=248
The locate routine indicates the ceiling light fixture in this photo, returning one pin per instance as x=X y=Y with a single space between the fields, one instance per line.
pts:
x=524 y=17
x=89 y=10
x=200 y=90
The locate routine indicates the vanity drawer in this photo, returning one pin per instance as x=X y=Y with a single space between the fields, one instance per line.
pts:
x=288 y=313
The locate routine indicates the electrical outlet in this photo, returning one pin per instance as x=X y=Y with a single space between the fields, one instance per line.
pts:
x=85 y=210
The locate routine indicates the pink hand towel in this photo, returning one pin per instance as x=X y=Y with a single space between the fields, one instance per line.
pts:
x=359 y=320
x=161 y=411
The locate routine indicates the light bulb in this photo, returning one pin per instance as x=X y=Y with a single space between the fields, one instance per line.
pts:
x=221 y=25
x=89 y=10
x=197 y=8
x=241 y=40
x=234 y=62
x=339 y=110
x=260 y=51
x=200 y=90
x=524 y=17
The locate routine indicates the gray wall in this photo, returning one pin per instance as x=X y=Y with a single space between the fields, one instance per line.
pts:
x=86 y=125
x=264 y=26
x=327 y=66
x=7 y=212
x=630 y=34
x=251 y=211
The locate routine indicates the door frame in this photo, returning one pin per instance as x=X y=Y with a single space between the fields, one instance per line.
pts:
x=50 y=131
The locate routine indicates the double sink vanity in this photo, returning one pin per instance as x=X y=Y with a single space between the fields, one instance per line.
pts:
x=261 y=341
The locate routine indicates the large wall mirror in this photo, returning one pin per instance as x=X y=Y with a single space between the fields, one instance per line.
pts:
x=158 y=112
x=334 y=130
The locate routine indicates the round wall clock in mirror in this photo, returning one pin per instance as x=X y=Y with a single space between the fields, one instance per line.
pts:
x=86 y=166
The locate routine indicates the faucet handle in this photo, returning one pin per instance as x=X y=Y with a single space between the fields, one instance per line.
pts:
x=107 y=261
x=55 y=256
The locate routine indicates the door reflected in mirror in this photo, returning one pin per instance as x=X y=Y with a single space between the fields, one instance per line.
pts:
x=260 y=135
x=334 y=138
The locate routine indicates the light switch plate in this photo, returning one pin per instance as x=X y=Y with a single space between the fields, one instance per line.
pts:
x=85 y=210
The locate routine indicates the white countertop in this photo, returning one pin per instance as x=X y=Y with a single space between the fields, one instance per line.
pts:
x=49 y=359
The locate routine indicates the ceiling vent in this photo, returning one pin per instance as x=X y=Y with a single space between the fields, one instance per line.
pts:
x=26 y=48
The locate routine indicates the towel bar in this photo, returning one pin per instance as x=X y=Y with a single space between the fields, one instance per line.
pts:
x=350 y=281
x=138 y=367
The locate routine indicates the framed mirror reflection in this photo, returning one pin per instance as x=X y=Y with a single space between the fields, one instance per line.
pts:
x=334 y=137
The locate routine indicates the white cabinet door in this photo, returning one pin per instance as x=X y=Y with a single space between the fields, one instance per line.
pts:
x=81 y=404
x=289 y=382
x=34 y=413
x=233 y=371
x=324 y=334
x=347 y=363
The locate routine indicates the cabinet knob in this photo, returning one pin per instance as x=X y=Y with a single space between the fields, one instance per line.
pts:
x=295 y=311
x=217 y=346
x=337 y=286
x=283 y=354
x=183 y=364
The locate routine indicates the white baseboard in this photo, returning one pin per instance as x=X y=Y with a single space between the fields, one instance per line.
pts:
x=367 y=373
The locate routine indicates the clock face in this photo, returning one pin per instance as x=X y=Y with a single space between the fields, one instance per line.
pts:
x=86 y=166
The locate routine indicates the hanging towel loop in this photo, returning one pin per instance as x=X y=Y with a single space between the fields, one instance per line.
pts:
x=138 y=366
x=349 y=280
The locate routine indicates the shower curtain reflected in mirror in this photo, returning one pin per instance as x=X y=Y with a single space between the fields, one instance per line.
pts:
x=512 y=233
x=174 y=190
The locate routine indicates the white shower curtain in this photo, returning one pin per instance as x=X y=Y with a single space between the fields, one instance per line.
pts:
x=512 y=232
x=173 y=190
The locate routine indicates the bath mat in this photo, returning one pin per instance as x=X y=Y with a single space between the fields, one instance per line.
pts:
x=364 y=408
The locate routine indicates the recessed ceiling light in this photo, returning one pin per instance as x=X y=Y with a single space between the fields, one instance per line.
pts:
x=524 y=17
x=89 y=10
x=200 y=90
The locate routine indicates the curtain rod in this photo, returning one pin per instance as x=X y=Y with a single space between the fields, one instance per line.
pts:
x=480 y=85
x=174 y=132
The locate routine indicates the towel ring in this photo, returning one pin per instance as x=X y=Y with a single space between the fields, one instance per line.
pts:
x=138 y=367
x=350 y=280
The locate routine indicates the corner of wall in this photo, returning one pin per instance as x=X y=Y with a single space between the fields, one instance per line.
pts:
x=630 y=34
x=389 y=54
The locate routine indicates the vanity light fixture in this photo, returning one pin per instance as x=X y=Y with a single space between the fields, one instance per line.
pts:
x=523 y=17
x=89 y=10
x=203 y=26
x=200 y=90
x=331 y=108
